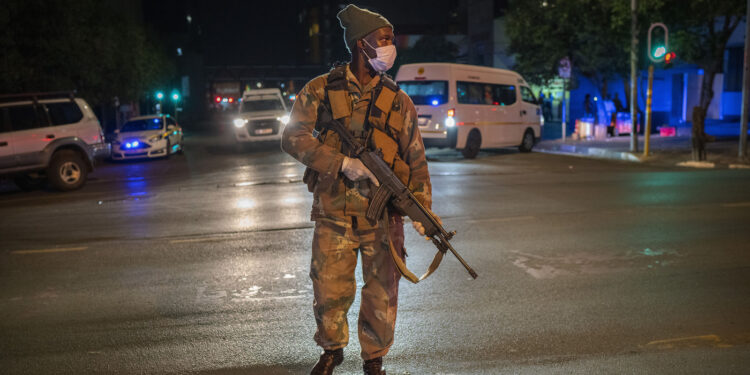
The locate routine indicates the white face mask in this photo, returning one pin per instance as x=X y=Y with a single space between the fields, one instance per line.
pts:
x=386 y=56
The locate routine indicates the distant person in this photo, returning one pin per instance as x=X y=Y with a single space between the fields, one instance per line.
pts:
x=618 y=104
x=488 y=95
x=588 y=106
x=546 y=106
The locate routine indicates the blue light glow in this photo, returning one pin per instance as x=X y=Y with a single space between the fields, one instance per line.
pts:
x=435 y=102
x=133 y=144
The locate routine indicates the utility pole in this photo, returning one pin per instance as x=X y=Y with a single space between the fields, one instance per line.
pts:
x=633 y=76
x=647 y=132
x=745 y=88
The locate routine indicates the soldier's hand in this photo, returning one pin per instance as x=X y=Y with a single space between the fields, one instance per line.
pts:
x=354 y=170
x=420 y=228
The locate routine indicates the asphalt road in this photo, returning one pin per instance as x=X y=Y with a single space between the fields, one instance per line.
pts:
x=199 y=264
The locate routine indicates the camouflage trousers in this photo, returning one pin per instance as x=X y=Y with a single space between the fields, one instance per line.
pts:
x=336 y=245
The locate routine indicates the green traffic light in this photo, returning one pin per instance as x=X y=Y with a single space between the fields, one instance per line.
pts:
x=159 y=95
x=659 y=52
x=175 y=96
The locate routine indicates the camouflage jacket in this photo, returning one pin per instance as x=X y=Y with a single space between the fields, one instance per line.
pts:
x=335 y=196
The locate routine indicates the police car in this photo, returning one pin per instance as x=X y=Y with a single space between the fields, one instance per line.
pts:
x=154 y=136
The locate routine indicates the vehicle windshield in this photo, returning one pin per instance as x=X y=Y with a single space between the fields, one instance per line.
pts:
x=142 y=125
x=271 y=103
x=426 y=92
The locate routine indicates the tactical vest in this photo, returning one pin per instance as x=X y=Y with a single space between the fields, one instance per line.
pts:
x=378 y=128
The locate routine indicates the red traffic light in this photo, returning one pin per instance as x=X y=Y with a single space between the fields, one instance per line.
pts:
x=669 y=57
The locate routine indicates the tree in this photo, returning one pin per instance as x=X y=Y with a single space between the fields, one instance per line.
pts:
x=78 y=44
x=544 y=32
x=701 y=31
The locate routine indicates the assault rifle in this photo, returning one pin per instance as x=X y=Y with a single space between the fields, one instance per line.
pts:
x=394 y=191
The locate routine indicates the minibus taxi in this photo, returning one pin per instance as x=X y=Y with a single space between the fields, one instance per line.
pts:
x=469 y=107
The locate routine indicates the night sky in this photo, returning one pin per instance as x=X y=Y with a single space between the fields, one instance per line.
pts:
x=236 y=32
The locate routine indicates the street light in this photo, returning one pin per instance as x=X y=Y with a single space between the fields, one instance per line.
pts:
x=176 y=100
x=159 y=97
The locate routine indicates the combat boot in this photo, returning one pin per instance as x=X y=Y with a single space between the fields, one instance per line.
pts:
x=328 y=360
x=374 y=366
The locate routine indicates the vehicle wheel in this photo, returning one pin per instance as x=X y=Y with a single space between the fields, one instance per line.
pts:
x=168 y=150
x=473 y=143
x=182 y=148
x=67 y=171
x=27 y=182
x=527 y=143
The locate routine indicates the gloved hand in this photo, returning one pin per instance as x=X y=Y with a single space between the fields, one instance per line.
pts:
x=420 y=228
x=354 y=170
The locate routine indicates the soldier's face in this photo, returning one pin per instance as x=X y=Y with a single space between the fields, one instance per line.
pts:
x=379 y=38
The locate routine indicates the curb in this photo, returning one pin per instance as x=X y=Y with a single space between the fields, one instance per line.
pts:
x=591 y=152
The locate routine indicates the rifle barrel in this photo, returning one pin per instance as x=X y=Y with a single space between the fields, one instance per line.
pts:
x=463 y=262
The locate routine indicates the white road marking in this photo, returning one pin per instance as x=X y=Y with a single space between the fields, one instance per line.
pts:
x=46 y=251
x=696 y=164
x=690 y=342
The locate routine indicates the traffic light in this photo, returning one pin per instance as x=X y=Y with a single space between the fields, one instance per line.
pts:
x=669 y=57
x=659 y=53
x=159 y=95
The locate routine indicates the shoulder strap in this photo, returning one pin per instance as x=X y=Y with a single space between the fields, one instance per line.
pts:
x=336 y=93
x=337 y=78
x=390 y=83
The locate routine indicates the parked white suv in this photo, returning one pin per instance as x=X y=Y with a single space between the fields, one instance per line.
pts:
x=49 y=136
x=262 y=116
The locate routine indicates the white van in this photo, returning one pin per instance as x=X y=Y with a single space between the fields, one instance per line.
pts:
x=262 y=116
x=471 y=107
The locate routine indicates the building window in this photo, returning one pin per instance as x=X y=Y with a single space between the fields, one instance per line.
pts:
x=485 y=93
x=733 y=71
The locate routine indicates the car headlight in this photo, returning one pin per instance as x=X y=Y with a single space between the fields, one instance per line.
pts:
x=284 y=119
x=239 y=122
x=132 y=144
x=450 y=122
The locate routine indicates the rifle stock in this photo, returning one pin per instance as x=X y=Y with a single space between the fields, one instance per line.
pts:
x=394 y=191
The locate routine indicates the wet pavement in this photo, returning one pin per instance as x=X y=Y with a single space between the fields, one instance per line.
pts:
x=199 y=263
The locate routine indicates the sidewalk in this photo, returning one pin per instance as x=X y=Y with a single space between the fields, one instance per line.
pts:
x=676 y=150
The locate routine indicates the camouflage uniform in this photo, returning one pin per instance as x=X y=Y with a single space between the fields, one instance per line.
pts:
x=339 y=207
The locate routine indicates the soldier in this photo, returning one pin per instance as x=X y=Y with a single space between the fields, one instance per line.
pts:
x=380 y=115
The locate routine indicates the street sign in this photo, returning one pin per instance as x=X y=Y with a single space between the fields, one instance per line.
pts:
x=563 y=69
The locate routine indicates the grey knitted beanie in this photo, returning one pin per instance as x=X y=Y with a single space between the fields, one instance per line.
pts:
x=358 y=22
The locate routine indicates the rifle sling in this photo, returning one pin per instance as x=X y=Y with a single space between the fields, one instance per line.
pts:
x=401 y=265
